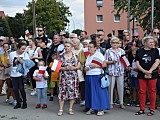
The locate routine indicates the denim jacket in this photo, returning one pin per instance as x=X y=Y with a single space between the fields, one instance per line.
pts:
x=25 y=66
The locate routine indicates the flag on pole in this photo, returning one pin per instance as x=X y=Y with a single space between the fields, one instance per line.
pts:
x=97 y=61
x=42 y=69
x=124 y=61
x=86 y=52
x=27 y=33
x=56 y=66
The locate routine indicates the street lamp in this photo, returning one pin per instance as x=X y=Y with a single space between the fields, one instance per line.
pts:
x=34 y=18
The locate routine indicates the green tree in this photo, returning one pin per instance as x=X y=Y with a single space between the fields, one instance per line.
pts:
x=4 y=28
x=50 y=14
x=17 y=25
x=142 y=10
x=77 y=31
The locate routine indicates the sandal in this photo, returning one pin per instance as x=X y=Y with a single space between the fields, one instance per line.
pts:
x=151 y=112
x=71 y=112
x=140 y=112
x=60 y=112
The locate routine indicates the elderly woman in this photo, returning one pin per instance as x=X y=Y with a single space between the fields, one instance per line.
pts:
x=78 y=50
x=115 y=70
x=68 y=84
x=96 y=97
x=147 y=61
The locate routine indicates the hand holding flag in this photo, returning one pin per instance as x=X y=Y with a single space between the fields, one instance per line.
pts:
x=42 y=69
x=124 y=61
x=56 y=66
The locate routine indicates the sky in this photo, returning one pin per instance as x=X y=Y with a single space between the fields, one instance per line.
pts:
x=11 y=7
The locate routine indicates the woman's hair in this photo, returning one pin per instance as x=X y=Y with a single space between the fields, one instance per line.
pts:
x=35 y=42
x=114 y=39
x=94 y=43
x=20 y=45
x=69 y=42
x=156 y=42
x=145 y=39
x=76 y=40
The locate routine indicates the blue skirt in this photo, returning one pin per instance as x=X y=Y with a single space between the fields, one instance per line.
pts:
x=95 y=96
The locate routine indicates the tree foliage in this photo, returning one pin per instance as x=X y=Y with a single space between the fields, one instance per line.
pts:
x=142 y=10
x=17 y=25
x=4 y=28
x=50 y=14
x=77 y=31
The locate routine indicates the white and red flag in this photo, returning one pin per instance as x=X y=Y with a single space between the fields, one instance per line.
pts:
x=56 y=66
x=97 y=61
x=42 y=69
x=86 y=52
x=124 y=61
x=27 y=33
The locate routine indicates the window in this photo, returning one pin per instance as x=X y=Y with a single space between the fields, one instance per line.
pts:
x=116 y=18
x=99 y=18
x=99 y=30
x=115 y=1
x=99 y=3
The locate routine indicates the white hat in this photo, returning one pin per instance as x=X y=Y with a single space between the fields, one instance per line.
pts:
x=2 y=38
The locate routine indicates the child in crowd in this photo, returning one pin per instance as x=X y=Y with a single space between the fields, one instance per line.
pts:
x=134 y=79
x=41 y=85
x=54 y=77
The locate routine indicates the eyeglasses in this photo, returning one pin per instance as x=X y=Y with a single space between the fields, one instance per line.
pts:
x=156 y=33
x=72 y=37
x=135 y=36
x=39 y=30
x=100 y=35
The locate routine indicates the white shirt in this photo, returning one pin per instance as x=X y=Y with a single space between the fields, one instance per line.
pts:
x=12 y=57
x=43 y=82
x=134 y=73
x=94 y=71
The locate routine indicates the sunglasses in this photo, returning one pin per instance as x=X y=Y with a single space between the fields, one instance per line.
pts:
x=39 y=30
x=135 y=36
x=156 y=33
x=115 y=42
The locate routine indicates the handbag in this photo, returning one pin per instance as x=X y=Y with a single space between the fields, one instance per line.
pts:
x=104 y=81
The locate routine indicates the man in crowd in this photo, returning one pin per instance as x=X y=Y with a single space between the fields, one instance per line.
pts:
x=41 y=35
x=83 y=36
x=103 y=43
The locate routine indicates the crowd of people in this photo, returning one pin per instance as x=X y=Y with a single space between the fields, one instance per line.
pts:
x=82 y=62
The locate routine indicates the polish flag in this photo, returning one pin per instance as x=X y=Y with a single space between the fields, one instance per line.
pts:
x=86 y=52
x=124 y=61
x=97 y=61
x=42 y=69
x=27 y=33
x=56 y=66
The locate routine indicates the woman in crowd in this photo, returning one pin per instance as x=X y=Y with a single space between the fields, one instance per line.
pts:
x=68 y=84
x=4 y=74
x=147 y=61
x=16 y=58
x=78 y=50
x=35 y=54
x=96 y=97
x=115 y=70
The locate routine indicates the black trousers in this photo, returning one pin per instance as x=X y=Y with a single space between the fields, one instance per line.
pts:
x=18 y=86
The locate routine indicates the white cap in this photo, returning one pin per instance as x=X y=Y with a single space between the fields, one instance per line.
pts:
x=2 y=38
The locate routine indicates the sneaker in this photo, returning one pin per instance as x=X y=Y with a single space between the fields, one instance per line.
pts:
x=38 y=105
x=33 y=93
x=90 y=112
x=82 y=103
x=133 y=103
x=100 y=113
x=7 y=101
x=44 y=106
x=51 y=98
x=117 y=102
x=13 y=102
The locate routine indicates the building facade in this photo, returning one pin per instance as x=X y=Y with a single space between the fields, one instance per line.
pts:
x=99 y=15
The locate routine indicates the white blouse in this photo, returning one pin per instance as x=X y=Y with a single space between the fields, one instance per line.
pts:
x=94 y=71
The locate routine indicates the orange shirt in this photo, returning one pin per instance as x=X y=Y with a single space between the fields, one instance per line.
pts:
x=54 y=75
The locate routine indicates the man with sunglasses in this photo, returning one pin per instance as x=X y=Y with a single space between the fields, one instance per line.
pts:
x=41 y=35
